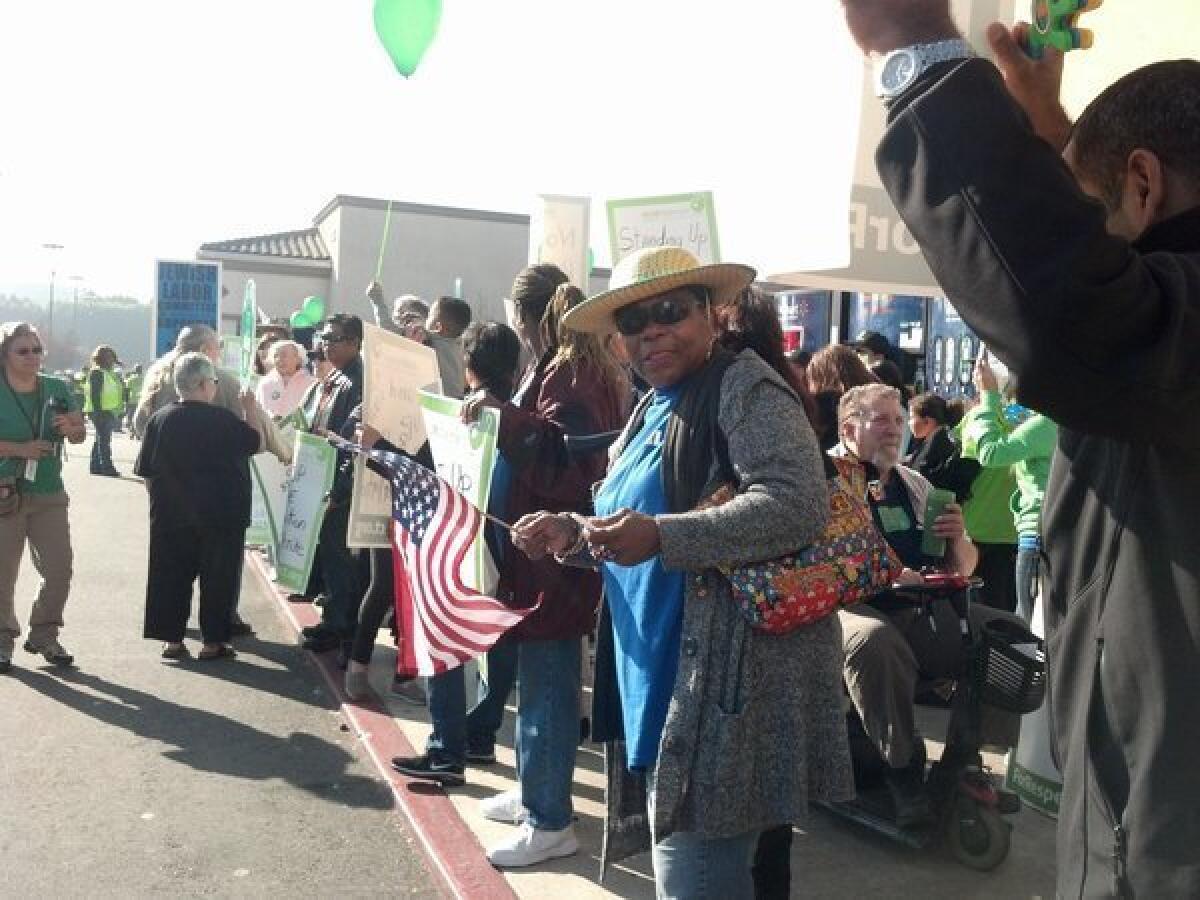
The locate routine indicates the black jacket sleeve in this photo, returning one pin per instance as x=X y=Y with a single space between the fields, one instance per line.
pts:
x=1101 y=337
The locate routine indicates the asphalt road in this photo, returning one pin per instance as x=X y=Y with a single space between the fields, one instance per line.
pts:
x=131 y=777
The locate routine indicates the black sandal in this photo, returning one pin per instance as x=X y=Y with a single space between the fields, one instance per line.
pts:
x=224 y=651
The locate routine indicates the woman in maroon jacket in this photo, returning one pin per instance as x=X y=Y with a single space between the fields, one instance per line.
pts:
x=572 y=387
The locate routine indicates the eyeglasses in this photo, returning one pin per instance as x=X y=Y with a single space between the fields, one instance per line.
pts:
x=633 y=320
x=28 y=351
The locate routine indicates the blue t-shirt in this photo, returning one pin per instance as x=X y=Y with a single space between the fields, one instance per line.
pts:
x=645 y=601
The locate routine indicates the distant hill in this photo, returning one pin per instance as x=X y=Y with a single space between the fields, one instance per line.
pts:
x=122 y=322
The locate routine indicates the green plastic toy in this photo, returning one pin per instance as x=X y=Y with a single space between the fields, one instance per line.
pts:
x=1053 y=25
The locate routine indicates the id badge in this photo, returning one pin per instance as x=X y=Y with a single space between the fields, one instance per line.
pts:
x=31 y=467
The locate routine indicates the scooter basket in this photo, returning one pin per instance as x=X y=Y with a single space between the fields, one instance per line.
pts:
x=1014 y=667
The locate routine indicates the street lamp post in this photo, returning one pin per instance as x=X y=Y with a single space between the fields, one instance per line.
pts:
x=50 y=321
x=74 y=313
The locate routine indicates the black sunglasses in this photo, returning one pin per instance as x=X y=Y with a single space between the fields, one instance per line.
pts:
x=633 y=320
x=330 y=338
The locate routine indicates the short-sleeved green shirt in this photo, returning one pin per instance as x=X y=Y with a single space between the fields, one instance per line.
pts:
x=27 y=417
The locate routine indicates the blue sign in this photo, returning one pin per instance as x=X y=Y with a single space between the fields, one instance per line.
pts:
x=898 y=317
x=187 y=293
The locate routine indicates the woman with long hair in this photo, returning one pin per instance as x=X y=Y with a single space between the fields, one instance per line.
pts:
x=36 y=413
x=831 y=372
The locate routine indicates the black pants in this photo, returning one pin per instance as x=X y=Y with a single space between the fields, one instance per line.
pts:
x=379 y=598
x=773 y=864
x=177 y=558
x=998 y=569
x=342 y=572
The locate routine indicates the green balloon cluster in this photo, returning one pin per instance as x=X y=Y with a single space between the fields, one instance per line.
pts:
x=310 y=314
x=406 y=28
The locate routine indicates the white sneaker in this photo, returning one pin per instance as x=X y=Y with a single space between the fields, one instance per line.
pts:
x=506 y=807
x=530 y=846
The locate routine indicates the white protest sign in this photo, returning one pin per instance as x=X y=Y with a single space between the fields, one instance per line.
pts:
x=558 y=234
x=681 y=220
x=313 y=465
x=1032 y=773
x=464 y=456
x=395 y=370
x=268 y=501
x=884 y=257
x=231 y=352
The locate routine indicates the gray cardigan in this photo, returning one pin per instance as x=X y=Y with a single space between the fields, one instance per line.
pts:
x=755 y=726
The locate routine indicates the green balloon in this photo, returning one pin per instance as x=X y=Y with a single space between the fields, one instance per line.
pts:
x=300 y=320
x=406 y=28
x=313 y=309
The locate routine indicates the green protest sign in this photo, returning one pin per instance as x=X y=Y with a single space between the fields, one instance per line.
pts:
x=313 y=465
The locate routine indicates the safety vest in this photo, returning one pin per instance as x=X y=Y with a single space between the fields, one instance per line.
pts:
x=112 y=395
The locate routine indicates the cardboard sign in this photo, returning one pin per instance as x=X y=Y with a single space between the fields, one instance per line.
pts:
x=395 y=370
x=681 y=220
x=185 y=293
x=268 y=504
x=313 y=464
x=884 y=257
x=465 y=456
x=558 y=234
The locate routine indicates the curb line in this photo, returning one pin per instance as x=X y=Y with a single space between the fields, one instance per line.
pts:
x=450 y=846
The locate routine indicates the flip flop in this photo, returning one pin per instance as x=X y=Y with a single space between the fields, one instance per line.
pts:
x=222 y=652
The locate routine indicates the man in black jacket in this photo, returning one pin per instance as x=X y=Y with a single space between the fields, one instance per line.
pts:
x=1095 y=306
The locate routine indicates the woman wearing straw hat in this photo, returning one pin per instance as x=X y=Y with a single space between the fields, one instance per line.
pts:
x=734 y=731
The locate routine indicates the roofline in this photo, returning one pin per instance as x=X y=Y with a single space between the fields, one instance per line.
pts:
x=269 y=265
x=420 y=209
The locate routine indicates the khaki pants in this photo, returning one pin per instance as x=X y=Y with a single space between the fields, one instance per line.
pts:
x=42 y=521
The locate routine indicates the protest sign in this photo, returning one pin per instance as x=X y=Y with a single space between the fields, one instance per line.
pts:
x=464 y=456
x=395 y=369
x=313 y=464
x=249 y=325
x=268 y=501
x=681 y=220
x=558 y=234
x=884 y=257
x=185 y=293
x=231 y=352
x=1031 y=771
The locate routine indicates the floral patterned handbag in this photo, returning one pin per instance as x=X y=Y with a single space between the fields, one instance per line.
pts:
x=848 y=563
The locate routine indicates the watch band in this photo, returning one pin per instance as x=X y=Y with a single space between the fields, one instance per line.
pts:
x=903 y=67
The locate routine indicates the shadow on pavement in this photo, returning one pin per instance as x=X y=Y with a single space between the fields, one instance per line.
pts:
x=214 y=743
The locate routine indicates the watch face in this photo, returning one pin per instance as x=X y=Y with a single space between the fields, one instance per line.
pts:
x=898 y=70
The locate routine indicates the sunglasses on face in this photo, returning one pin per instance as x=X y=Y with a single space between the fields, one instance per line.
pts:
x=28 y=351
x=633 y=320
x=333 y=338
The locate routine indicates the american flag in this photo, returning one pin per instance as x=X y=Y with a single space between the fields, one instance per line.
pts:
x=443 y=621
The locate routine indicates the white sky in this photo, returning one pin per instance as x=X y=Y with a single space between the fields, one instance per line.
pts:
x=136 y=129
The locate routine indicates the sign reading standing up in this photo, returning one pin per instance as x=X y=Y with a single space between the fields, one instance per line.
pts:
x=185 y=293
x=681 y=220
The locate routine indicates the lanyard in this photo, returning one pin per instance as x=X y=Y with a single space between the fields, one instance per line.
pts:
x=35 y=425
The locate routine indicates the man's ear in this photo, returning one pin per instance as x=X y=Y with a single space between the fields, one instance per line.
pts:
x=1144 y=199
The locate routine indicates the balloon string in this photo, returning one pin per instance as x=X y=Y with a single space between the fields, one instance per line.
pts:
x=387 y=227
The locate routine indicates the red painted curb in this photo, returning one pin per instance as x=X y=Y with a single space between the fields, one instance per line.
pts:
x=450 y=845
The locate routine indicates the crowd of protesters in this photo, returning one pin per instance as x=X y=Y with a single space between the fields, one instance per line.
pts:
x=658 y=436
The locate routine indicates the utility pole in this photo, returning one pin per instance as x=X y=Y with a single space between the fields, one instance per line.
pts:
x=50 y=322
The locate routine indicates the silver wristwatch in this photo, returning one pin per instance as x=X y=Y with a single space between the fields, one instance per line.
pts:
x=897 y=71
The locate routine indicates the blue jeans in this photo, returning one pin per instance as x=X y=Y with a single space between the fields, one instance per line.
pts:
x=1028 y=570
x=104 y=423
x=548 y=674
x=689 y=865
x=454 y=729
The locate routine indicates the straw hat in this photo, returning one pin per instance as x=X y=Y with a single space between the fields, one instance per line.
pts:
x=652 y=271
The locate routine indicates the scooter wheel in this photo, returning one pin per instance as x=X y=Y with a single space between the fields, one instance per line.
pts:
x=977 y=835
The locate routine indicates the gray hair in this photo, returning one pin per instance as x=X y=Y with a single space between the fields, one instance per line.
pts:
x=293 y=345
x=194 y=338
x=854 y=402
x=191 y=370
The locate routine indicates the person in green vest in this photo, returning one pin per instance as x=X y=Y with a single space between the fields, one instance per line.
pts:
x=133 y=393
x=1027 y=449
x=37 y=413
x=104 y=401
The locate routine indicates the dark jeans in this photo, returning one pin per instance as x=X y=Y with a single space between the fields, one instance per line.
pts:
x=773 y=864
x=379 y=598
x=454 y=729
x=104 y=423
x=177 y=558
x=342 y=571
x=997 y=567
x=1028 y=569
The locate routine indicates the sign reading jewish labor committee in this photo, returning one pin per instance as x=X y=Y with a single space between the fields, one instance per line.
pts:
x=464 y=456
x=185 y=293
x=558 y=234
x=681 y=220
x=313 y=464
x=884 y=257
x=395 y=370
